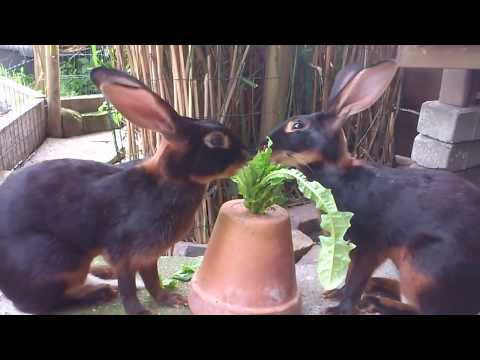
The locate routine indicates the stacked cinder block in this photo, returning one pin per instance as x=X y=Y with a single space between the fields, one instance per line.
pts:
x=449 y=132
x=449 y=137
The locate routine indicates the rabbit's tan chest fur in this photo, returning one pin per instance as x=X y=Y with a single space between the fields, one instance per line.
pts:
x=172 y=229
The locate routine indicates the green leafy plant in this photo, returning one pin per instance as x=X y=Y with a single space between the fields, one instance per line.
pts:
x=75 y=72
x=185 y=274
x=106 y=108
x=334 y=253
x=75 y=78
x=169 y=283
x=259 y=195
x=18 y=75
x=260 y=180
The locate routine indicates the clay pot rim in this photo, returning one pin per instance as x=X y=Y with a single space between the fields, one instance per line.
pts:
x=244 y=310
x=272 y=211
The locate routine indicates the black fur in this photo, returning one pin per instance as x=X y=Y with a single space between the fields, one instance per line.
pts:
x=49 y=223
x=425 y=220
x=56 y=216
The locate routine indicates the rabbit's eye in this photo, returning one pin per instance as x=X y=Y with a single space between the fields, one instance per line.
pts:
x=298 y=125
x=295 y=125
x=216 y=140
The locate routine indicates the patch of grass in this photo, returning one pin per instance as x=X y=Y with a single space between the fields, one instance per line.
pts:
x=18 y=75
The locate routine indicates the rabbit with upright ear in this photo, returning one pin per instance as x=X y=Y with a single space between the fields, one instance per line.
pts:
x=425 y=221
x=56 y=216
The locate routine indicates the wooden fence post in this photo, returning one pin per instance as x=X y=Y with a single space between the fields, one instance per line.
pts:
x=39 y=67
x=277 y=78
x=54 y=121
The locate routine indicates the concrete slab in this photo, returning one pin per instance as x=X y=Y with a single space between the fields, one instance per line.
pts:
x=305 y=218
x=189 y=249
x=311 y=257
x=99 y=147
x=166 y=266
x=83 y=103
x=448 y=123
x=313 y=302
x=435 y=154
x=301 y=244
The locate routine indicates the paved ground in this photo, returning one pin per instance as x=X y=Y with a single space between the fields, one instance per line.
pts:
x=312 y=300
x=167 y=266
x=97 y=146
x=100 y=147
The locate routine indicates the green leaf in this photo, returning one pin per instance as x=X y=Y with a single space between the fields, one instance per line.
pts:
x=260 y=181
x=312 y=190
x=334 y=254
x=169 y=283
x=186 y=272
x=257 y=194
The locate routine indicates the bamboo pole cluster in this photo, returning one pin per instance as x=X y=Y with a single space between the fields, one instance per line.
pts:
x=199 y=82
x=370 y=134
x=234 y=84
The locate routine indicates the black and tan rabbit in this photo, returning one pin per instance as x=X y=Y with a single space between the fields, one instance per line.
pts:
x=425 y=221
x=56 y=216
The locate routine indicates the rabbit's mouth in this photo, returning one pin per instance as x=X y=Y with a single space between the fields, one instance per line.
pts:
x=289 y=158
x=228 y=173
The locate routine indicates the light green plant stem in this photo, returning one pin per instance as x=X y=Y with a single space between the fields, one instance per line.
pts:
x=334 y=256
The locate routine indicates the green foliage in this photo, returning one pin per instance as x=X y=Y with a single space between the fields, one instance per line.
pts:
x=260 y=180
x=94 y=55
x=116 y=117
x=334 y=253
x=259 y=195
x=169 y=283
x=18 y=75
x=185 y=274
x=75 y=78
x=75 y=72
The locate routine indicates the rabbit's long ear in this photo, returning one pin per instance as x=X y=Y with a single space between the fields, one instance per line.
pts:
x=135 y=101
x=357 y=90
x=342 y=79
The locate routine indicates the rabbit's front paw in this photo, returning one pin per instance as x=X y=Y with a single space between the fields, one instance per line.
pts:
x=335 y=294
x=173 y=299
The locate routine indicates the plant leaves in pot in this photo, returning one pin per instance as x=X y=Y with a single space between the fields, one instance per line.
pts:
x=248 y=267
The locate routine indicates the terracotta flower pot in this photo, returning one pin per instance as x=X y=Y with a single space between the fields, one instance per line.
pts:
x=248 y=267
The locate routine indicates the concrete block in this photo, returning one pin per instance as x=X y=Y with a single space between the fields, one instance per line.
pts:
x=311 y=257
x=93 y=123
x=189 y=249
x=448 y=123
x=456 y=86
x=305 y=218
x=301 y=244
x=435 y=154
x=72 y=123
x=83 y=103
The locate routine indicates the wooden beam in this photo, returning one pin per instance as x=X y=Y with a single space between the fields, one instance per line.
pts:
x=39 y=67
x=54 y=120
x=275 y=93
x=439 y=56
